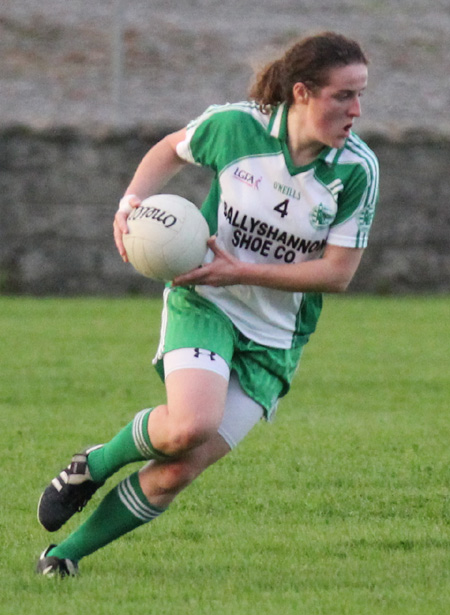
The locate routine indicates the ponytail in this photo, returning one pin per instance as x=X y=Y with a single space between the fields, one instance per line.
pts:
x=268 y=87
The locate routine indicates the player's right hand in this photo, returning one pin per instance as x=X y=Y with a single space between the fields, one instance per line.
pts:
x=126 y=206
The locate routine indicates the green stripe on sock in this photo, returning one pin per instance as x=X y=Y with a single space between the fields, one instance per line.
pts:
x=131 y=444
x=142 y=438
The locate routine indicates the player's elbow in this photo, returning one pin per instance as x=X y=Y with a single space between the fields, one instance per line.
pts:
x=339 y=283
x=341 y=265
x=341 y=288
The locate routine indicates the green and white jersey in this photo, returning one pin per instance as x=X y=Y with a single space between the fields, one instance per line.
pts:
x=264 y=209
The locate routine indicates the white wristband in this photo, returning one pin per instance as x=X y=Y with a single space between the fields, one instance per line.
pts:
x=124 y=203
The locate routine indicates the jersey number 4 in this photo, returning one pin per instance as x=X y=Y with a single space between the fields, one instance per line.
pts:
x=282 y=208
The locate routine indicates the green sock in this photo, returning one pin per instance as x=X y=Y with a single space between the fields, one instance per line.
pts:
x=132 y=443
x=123 y=509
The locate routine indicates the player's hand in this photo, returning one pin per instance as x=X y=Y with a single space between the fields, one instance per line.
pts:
x=223 y=271
x=126 y=206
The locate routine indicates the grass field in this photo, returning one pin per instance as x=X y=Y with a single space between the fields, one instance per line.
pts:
x=342 y=506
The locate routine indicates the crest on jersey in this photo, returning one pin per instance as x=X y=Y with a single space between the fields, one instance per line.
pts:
x=321 y=217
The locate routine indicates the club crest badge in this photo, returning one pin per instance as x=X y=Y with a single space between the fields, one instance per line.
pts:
x=321 y=217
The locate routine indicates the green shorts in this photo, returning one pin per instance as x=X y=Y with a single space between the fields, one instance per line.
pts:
x=191 y=321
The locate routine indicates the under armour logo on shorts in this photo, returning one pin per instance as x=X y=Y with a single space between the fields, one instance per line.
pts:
x=198 y=352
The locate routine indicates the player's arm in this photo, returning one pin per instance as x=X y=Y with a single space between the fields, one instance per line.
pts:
x=331 y=273
x=157 y=167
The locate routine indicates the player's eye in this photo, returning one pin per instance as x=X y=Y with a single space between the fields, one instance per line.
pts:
x=345 y=95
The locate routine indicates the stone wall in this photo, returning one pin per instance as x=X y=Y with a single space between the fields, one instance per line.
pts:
x=409 y=246
x=59 y=190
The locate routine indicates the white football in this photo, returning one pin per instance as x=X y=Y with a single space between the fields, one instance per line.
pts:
x=167 y=237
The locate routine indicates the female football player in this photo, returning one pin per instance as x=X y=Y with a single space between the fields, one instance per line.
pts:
x=289 y=210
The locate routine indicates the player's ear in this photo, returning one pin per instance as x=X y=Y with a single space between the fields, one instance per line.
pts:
x=301 y=93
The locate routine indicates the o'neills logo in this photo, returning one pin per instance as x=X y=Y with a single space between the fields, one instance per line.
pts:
x=154 y=213
x=287 y=190
x=247 y=178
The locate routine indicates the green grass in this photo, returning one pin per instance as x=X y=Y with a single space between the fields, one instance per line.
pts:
x=342 y=506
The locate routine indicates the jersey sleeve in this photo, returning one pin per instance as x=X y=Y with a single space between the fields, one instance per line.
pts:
x=356 y=206
x=223 y=133
x=205 y=138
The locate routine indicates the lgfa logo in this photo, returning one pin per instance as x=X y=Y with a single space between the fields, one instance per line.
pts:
x=247 y=178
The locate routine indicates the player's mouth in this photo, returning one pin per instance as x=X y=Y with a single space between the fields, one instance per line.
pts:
x=347 y=129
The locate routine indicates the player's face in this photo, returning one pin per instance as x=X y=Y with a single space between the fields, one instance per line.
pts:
x=333 y=109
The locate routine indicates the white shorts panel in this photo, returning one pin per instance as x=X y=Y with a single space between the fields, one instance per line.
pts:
x=196 y=358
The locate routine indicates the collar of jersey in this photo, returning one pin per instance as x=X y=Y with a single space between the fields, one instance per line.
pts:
x=277 y=128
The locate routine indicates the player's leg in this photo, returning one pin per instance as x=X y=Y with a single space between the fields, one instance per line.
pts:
x=126 y=507
x=162 y=481
x=192 y=414
x=193 y=410
x=145 y=495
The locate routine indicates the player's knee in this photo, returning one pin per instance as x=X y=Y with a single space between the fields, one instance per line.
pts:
x=184 y=437
x=175 y=476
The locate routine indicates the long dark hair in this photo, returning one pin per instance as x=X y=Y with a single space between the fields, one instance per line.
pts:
x=308 y=61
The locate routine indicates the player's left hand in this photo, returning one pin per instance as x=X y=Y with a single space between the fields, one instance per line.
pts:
x=222 y=271
x=120 y=226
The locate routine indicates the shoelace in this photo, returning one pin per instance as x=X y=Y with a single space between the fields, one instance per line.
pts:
x=83 y=503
